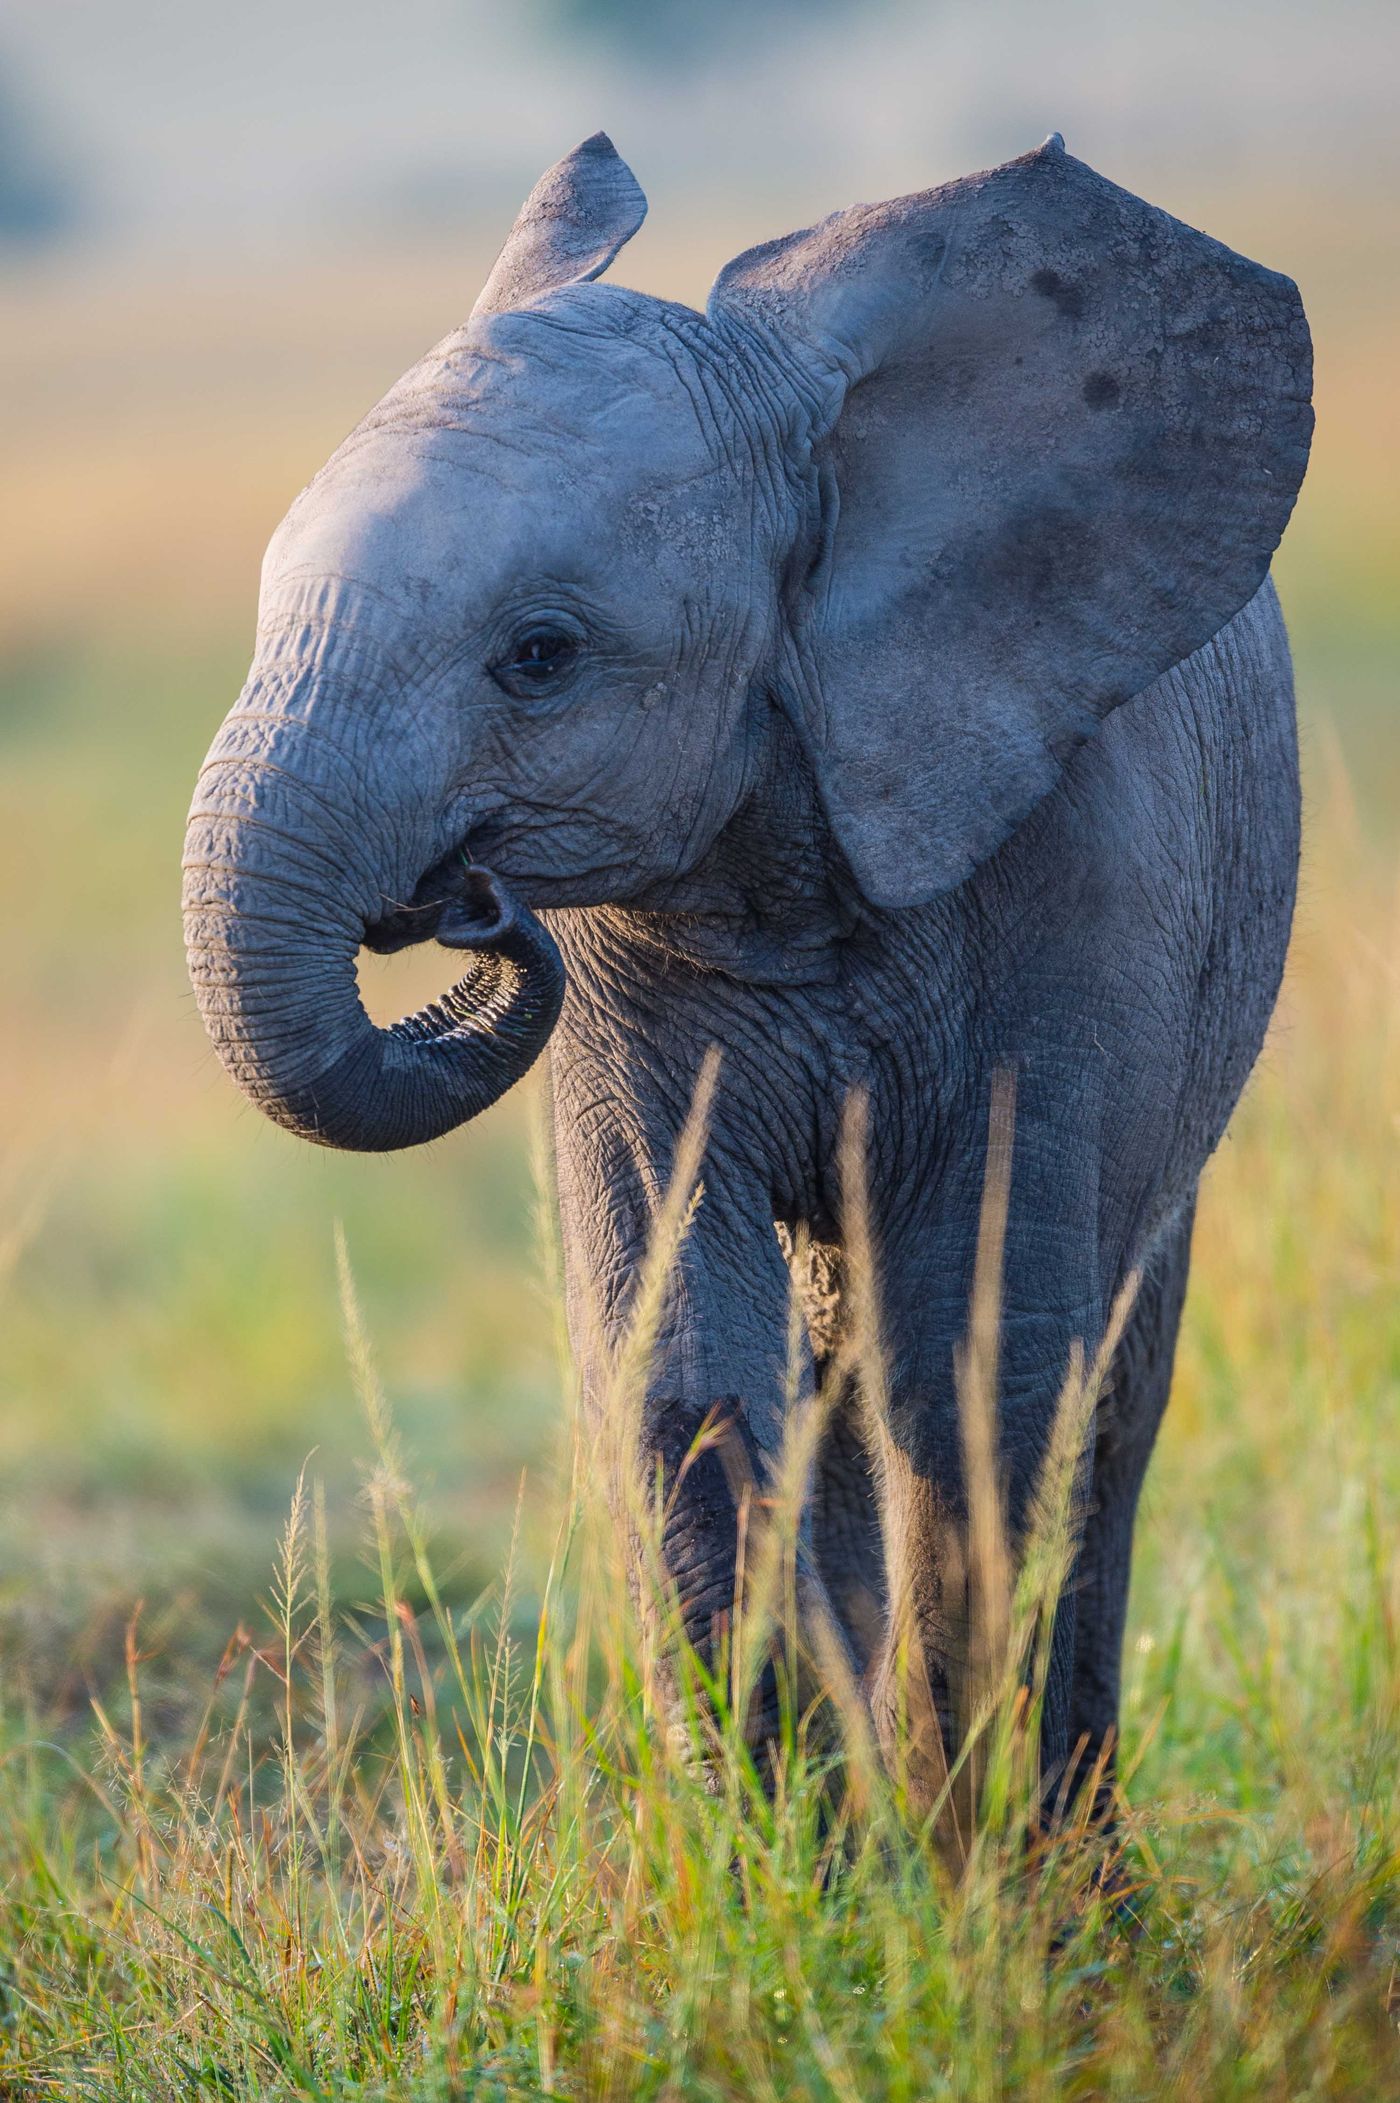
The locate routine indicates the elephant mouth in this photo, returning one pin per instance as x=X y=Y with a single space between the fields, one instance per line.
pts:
x=458 y=903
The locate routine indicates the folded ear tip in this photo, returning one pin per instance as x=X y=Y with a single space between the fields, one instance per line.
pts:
x=610 y=170
x=599 y=148
x=570 y=227
x=1054 y=144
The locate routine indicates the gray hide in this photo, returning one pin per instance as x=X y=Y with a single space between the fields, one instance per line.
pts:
x=876 y=677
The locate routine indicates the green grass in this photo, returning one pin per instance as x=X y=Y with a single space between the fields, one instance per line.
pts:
x=391 y=1810
x=419 y=1843
x=214 y=1883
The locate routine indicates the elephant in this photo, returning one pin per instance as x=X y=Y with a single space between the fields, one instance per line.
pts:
x=877 y=676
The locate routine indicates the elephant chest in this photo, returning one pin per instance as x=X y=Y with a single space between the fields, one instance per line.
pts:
x=1120 y=954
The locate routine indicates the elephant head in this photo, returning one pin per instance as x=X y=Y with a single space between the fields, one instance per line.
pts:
x=938 y=483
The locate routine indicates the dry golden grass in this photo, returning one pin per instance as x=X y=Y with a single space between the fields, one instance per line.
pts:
x=416 y=1842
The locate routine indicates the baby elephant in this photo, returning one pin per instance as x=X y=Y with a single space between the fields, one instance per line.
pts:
x=876 y=676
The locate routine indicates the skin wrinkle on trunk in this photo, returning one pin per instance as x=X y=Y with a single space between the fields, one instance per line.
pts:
x=277 y=991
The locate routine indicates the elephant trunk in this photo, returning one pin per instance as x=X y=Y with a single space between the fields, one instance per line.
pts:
x=277 y=901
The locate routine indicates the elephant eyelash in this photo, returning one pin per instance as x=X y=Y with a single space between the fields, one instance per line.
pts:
x=538 y=661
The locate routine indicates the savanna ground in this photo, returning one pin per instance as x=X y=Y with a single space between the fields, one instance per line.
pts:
x=358 y=1791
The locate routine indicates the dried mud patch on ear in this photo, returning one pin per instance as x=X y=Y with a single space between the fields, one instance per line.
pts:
x=1068 y=298
x=1049 y=555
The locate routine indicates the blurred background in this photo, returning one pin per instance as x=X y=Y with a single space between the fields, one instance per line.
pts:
x=223 y=233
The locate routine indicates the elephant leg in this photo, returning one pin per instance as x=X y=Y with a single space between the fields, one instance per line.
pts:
x=708 y=1402
x=1129 y=1416
x=949 y=1578
x=846 y=1532
x=845 y=1514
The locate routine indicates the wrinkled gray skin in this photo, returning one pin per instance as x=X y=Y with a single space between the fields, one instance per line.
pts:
x=876 y=676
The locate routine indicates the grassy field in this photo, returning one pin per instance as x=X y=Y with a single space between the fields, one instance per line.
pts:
x=370 y=1801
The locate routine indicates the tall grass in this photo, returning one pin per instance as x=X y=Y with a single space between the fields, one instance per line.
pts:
x=433 y=1850
x=414 y=1828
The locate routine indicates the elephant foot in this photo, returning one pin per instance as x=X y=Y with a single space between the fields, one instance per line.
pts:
x=717 y=1553
x=703 y=1460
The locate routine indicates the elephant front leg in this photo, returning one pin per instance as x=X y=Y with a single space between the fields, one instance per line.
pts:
x=971 y=1439
x=961 y=1633
x=705 y=1483
x=685 y=1377
x=1134 y=1401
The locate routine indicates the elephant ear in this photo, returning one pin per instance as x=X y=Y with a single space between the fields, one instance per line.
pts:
x=572 y=224
x=1058 y=435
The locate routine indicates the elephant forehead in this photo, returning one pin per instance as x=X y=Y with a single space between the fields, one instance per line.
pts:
x=425 y=517
x=520 y=468
x=580 y=371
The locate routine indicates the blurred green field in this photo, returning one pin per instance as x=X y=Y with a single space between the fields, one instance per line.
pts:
x=171 y=1342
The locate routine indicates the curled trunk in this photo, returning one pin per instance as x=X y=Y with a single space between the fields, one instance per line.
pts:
x=275 y=913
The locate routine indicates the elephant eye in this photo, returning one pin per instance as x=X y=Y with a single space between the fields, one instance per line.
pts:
x=537 y=660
